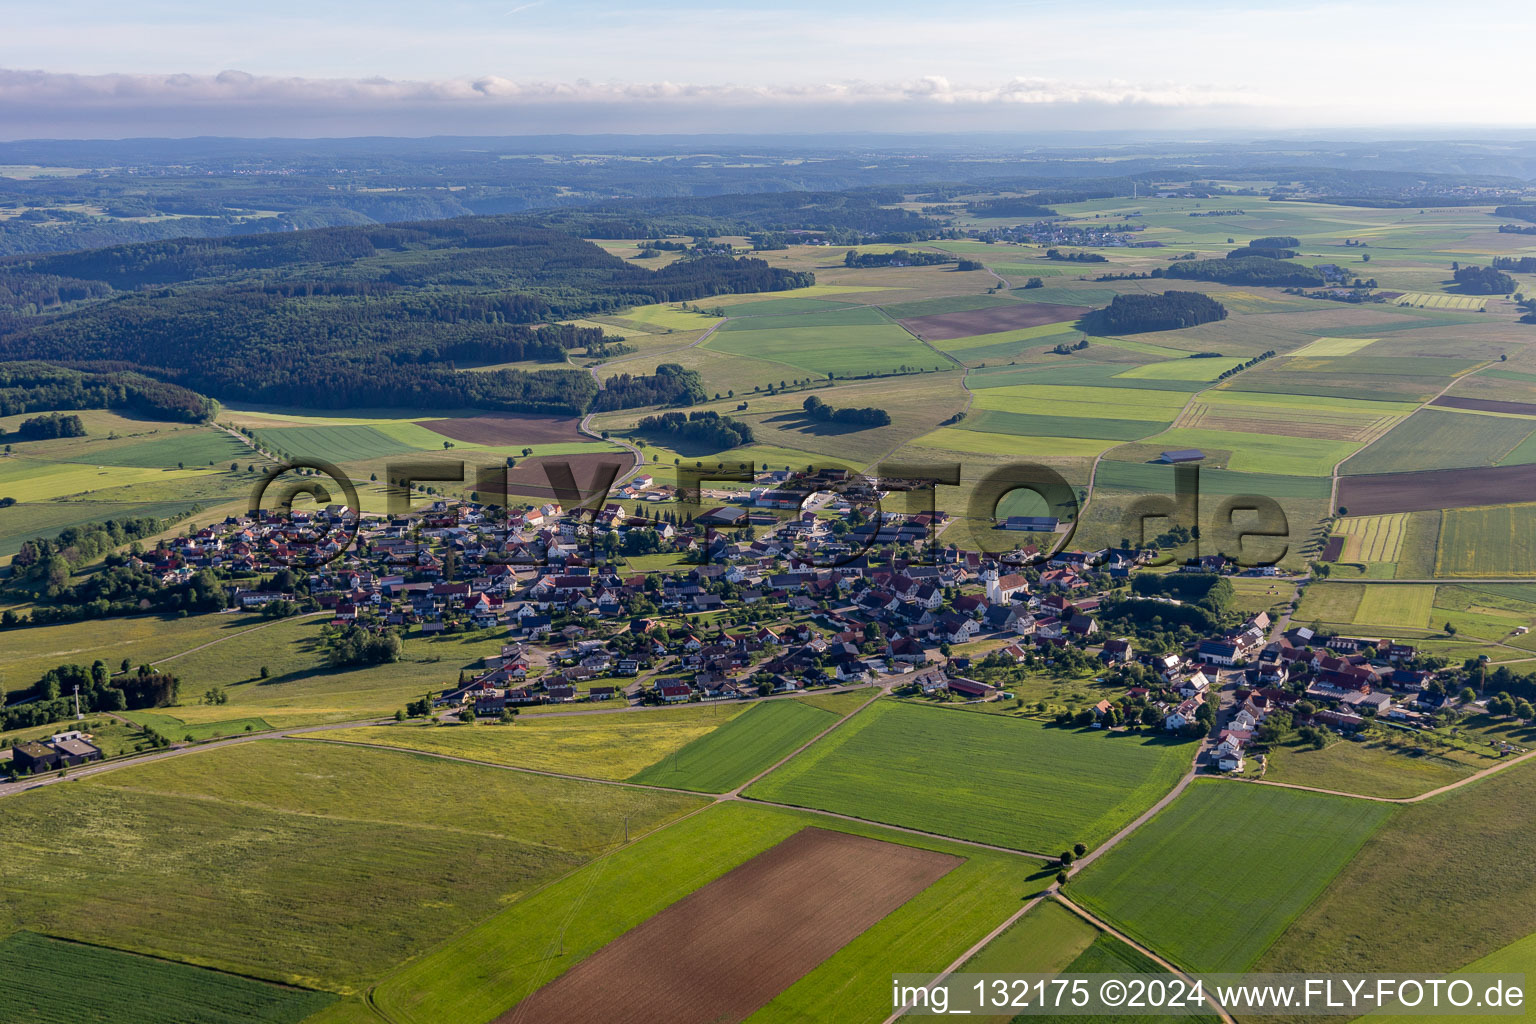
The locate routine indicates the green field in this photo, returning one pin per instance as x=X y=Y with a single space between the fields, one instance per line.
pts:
x=980 y=777
x=1431 y=439
x=846 y=343
x=48 y=981
x=347 y=443
x=1262 y=452
x=190 y=447
x=743 y=747
x=1087 y=402
x=1478 y=824
x=599 y=746
x=33 y=480
x=1217 y=876
x=1395 y=605
x=1043 y=941
x=1490 y=541
x=358 y=858
x=1333 y=347
x=1330 y=602
x=482 y=972
x=22 y=522
x=1181 y=369
x=1388 y=763
x=994 y=421
x=965 y=439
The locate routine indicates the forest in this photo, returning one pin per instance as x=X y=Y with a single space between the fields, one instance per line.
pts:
x=34 y=386
x=1256 y=270
x=1484 y=281
x=1130 y=314
x=671 y=384
x=705 y=428
x=342 y=317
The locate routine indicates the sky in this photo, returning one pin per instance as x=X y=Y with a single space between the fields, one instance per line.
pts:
x=98 y=69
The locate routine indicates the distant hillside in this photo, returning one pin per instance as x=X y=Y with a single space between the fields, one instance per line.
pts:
x=336 y=317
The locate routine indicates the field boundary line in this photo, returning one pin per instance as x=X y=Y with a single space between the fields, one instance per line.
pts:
x=1476 y=776
x=879 y=692
x=960 y=961
x=1109 y=929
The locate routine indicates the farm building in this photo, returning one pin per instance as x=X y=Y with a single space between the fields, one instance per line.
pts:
x=1181 y=455
x=1031 y=524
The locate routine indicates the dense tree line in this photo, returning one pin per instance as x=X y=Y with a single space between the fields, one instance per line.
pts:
x=1518 y=264
x=1212 y=592
x=1024 y=209
x=1484 y=281
x=1518 y=212
x=1129 y=314
x=1075 y=257
x=52 y=698
x=124 y=590
x=76 y=545
x=1252 y=251
x=51 y=425
x=671 y=384
x=898 y=258
x=1517 y=229
x=1253 y=270
x=33 y=386
x=705 y=428
x=868 y=416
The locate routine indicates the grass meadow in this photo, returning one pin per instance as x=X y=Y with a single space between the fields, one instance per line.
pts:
x=1008 y=782
x=1493 y=540
x=486 y=970
x=599 y=746
x=1353 y=928
x=358 y=858
x=746 y=745
x=1217 y=876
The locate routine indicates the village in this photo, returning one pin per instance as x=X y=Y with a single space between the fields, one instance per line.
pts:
x=772 y=593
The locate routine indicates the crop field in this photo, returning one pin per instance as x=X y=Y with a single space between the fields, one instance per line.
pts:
x=189 y=447
x=202 y=858
x=349 y=443
x=1333 y=347
x=508 y=431
x=1261 y=452
x=1211 y=882
x=1434 y=300
x=1372 y=538
x=994 y=421
x=1489 y=541
x=670 y=316
x=25 y=520
x=846 y=343
x=744 y=746
x=1395 y=605
x=1473 y=824
x=1377 y=387
x=612 y=746
x=1158 y=479
x=967 y=439
x=488 y=969
x=32 y=480
x=1180 y=369
x=1045 y=941
x=729 y=947
x=1330 y=602
x=991 y=320
x=48 y=981
x=1441 y=440
x=1436 y=489
x=978 y=776
x=1486 y=405
x=1086 y=402
x=1442 y=367
x=1065 y=371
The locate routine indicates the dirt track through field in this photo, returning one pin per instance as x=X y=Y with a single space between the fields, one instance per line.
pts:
x=722 y=952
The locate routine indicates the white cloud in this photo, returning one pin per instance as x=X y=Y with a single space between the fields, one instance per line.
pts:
x=131 y=92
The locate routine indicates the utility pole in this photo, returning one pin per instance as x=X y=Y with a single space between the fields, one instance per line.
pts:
x=78 y=715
